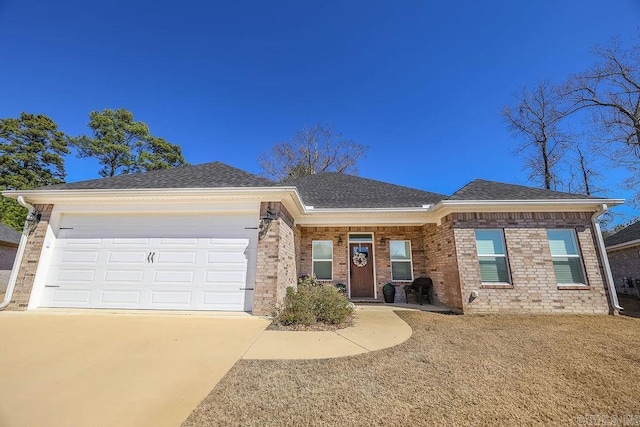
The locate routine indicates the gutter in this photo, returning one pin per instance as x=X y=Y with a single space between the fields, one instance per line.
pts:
x=605 y=259
x=16 y=263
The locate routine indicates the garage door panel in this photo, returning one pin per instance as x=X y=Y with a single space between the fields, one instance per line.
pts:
x=171 y=297
x=77 y=256
x=75 y=275
x=226 y=257
x=71 y=296
x=120 y=297
x=173 y=257
x=124 y=276
x=237 y=278
x=176 y=277
x=128 y=257
x=173 y=262
x=222 y=300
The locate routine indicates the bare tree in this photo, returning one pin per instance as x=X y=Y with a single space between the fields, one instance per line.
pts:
x=583 y=173
x=535 y=120
x=313 y=149
x=610 y=90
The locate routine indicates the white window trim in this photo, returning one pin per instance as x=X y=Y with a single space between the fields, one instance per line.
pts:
x=504 y=255
x=410 y=260
x=314 y=260
x=578 y=255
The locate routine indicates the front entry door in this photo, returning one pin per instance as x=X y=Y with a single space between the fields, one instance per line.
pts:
x=361 y=260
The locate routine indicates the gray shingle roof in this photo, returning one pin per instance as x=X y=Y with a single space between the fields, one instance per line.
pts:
x=208 y=175
x=481 y=189
x=339 y=190
x=9 y=235
x=627 y=234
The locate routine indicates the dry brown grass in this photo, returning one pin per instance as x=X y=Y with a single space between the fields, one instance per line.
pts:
x=454 y=370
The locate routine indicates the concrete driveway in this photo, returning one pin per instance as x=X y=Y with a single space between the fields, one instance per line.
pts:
x=105 y=369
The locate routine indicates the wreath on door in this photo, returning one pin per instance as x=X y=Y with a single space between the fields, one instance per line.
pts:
x=360 y=259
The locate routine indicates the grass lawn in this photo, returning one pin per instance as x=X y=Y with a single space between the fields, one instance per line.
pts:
x=454 y=370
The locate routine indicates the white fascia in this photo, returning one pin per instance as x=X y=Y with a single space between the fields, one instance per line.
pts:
x=624 y=245
x=365 y=216
x=139 y=195
x=446 y=207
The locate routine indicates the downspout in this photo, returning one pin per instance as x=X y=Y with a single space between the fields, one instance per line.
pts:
x=605 y=258
x=16 y=264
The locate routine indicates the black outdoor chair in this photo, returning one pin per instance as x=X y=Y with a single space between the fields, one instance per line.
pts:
x=422 y=287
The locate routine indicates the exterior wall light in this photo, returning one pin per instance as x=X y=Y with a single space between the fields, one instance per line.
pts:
x=32 y=221
x=265 y=223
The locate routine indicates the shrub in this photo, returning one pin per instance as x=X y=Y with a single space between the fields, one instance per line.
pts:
x=312 y=303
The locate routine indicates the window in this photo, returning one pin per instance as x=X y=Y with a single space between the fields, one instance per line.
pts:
x=492 y=256
x=566 y=257
x=322 y=258
x=401 y=266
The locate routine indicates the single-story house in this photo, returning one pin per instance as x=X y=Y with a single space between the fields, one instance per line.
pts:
x=213 y=237
x=9 y=240
x=623 y=248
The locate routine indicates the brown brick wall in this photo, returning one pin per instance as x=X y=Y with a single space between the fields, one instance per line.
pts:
x=442 y=263
x=381 y=252
x=534 y=287
x=276 y=261
x=29 y=264
x=625 y=263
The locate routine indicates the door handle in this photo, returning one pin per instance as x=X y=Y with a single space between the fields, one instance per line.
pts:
x=152 y=255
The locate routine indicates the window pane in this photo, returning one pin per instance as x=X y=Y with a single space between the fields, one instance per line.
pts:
x=400 y=249
x=322 y=270
x=401 y=270
x=489 y=242
x=494 y=270
x=360 y=238
x=562 y=242
x=322 y=250
x=568 y=270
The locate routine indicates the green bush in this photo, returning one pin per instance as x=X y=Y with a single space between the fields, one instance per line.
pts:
x=312 y=303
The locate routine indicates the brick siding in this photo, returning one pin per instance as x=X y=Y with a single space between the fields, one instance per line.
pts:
x=29 y=264
x=442 y=263
x=534 y=287
x=276 y=263
x=381 y=253
x=625 y=263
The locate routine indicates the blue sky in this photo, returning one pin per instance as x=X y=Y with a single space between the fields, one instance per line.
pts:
x=422 y=83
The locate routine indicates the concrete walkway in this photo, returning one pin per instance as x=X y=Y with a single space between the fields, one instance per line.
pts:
x=377 y=327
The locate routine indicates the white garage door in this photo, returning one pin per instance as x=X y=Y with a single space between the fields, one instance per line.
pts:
x=182 y=262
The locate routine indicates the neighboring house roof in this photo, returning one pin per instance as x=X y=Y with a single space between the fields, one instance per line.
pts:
x=339 y=190
x=208 y=175
x=9 y=235
x=627 y=234
x=481 y=189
